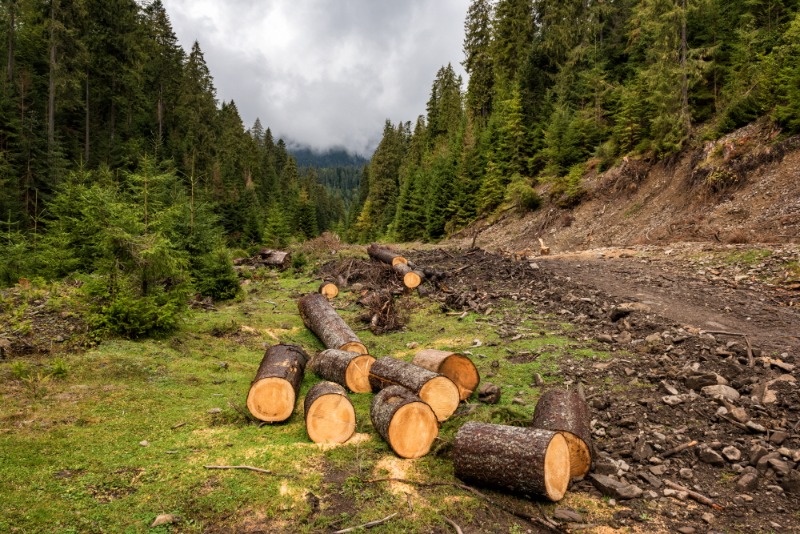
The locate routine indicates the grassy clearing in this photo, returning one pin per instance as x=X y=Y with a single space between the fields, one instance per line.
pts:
x=106 y=440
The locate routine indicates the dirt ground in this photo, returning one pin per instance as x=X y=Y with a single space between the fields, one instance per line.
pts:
x=679 y=319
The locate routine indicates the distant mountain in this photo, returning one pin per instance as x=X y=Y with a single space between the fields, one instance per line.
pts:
x=334 y=157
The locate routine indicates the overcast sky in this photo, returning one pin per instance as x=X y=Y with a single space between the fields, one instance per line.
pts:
x=324 y=72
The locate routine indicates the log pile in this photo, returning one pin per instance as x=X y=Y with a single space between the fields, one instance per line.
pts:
x=411 y=278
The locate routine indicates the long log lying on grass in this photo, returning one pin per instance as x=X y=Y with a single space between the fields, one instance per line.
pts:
x=411 y=277
x=274 y=390
x=456 y=367
x=404 y=421
x=348 y=369
x=330 y=416
x=567 y=413
x=436 y=390
x=531 y=461
x=320 y=317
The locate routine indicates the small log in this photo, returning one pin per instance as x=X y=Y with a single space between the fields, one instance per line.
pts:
x=566 y=412
x=411 y=278
x=328 y=290
x=348 y=369
x=274 y=390
x=404 y=421
x=275 y=258
x=330 y=416
x=385 y=255
x=456 y=367
x=320 y=317
x=436 y=390
x=531 y=461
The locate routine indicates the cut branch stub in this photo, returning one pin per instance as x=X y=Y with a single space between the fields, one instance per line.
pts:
x=328 y=290
x=436 y=390
x=531 y=461
x=404 y=421
x=320 y=317
x=329 y=414
x=566 y=412
x=274 y=390
x=456 y=367
x=348 y=369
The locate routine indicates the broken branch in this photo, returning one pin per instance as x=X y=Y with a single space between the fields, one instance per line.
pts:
x=366 y=525
x=699 y=497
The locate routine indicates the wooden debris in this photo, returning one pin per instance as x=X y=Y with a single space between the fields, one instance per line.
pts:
x=328 y=289
x=274 y=390
x=367 y=525
x=566 y=412
x=454 y=366
x=675 y=450
x=404 y=421
x=411 y=278
x=544 y=250
x=436 y=390
x=531 y=461
x=329 y=414
x=320 y=317
x=699 y=497
x=348 y=369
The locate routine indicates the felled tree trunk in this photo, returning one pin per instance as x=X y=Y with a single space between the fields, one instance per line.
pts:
x=456 y=367
x=411 y=278
x=385 y=255
x=328 y=290
x=275 y=258
x=566 y=412
x=330 y=416
x=530 y=461
x=274 y=390
x=436 y=390
x=320 y=317
x=348 y=369
x=404 y=421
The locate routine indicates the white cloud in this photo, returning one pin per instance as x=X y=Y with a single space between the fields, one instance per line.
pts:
x=325 y=73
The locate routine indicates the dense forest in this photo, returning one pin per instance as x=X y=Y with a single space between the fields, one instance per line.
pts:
x=558 y=88
x=119 y=164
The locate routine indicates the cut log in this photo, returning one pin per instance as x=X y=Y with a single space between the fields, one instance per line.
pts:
x=274 y=390
x=566 y=412
x=275 y=258
x=411 y=278
x=436 y=390
x=404 y=421
x=531 y=461
x=328 y=290
x=320 y=317
x=456 y=367
x=330 y=416
x=348 y=369
x=385 y=255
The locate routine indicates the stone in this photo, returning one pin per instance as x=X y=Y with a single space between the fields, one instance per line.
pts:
x=657 y=470
x=565 y=514
x=764 y=461
x=778 y=437
x=668 y=388
x=614 y=488
x=673 y=400
x=650 y=479
x=722 y=392
x=711 y=457
x=708 y=517
x=144 y=443
x=605 y=338
x=214 y=411
x=791 y=482
x=752 y=426
x=732 y=453
x=687 y=530
x=781 y=467
x=686 y=473
x=747 y=482
x=488 y=393
x=756 y=453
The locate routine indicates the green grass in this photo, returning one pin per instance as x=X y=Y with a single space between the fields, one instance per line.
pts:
x=72 y=425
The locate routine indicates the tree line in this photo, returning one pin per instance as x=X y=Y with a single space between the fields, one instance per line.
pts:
x=119 y=164
x=560 y=87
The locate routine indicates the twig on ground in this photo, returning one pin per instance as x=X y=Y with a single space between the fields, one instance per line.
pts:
x=453 y=524
x=699 y=497
x=682 y=447
x=734 y=423
x=248 y=468
x=173 y=427
x=367 y=525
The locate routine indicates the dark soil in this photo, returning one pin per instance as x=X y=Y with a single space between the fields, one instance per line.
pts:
x=678 y=320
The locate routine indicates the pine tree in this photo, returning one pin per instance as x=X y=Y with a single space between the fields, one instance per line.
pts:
x=478 y=59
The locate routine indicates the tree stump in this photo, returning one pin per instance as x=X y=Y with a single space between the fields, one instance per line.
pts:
x=328 y=290
x=348 y=369
x=330 y=416
x=274 y=390
x=438 y=391
x=566 y=412
x=320 y=317
x=456 y=367
x=404 y=421
x=531 y=461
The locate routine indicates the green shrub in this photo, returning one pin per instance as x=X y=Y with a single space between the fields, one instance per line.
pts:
x=522 y=194
x=215 y=277
x=138 y=317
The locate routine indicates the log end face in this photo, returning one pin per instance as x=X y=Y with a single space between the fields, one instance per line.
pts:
x=399 y=259
x=556 y=468
x=271 y=400
x=357 y=374
x=462 y=372
x=354 y=346
x=412 y=430
x=331 y=419
x=442 y=395
x=329 y=290
x=580 y=457
x=412 y=280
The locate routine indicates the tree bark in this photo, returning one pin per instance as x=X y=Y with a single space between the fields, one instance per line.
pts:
x=404 y=421
x=456 y=367
x=533 y=462
x=436 y=390
x=385 y=255
x=320 y=317
x=329 y=414
x=274 y=390
x=566 y=412
x=348 y=369
x=328 y=290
